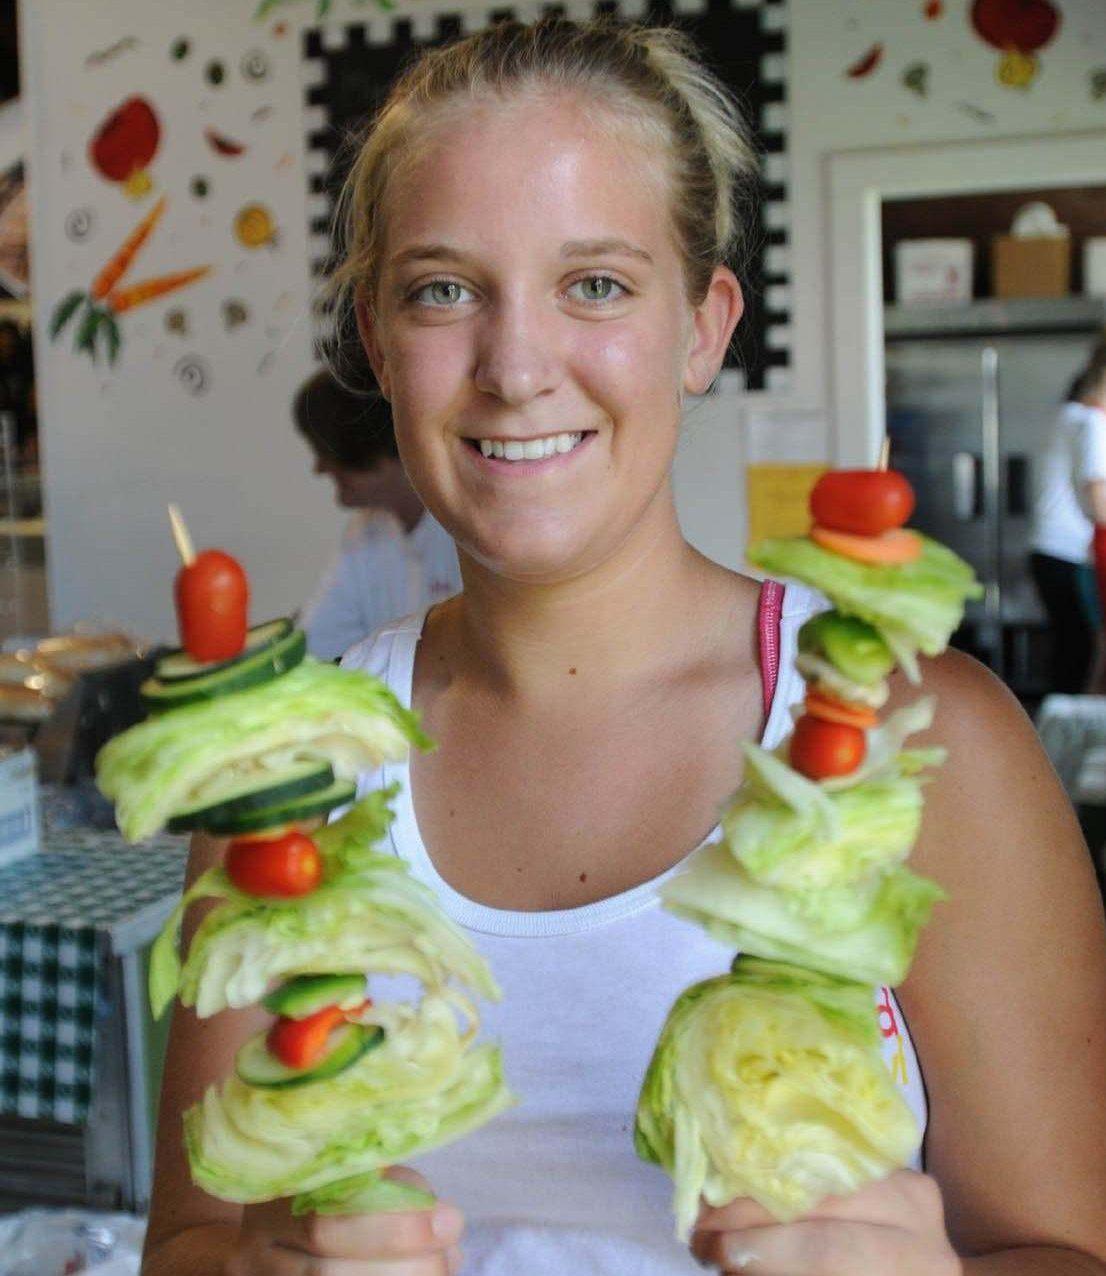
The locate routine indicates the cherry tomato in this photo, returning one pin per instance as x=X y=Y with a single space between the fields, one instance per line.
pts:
x=282 y=867
x=299 y=1043
x=212 y=596
x=864 y=502
x=821 y=750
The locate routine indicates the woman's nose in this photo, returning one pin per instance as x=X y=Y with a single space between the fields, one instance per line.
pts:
x=517 y=357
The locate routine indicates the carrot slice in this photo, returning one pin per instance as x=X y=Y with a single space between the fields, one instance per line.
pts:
x=819 y=705
x=888 y=549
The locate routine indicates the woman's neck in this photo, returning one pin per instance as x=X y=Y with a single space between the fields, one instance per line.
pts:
x=646 y=608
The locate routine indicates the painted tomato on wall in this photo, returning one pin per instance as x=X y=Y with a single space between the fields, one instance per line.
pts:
x=125 y=144
x=1018 y=28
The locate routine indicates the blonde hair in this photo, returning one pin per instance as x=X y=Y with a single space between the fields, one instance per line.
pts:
x=648 y=76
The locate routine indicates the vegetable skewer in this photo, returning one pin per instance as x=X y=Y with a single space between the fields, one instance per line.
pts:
x=250 y=738
x=769 y=1082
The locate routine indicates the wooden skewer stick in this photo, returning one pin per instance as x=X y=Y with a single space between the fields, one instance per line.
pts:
x=884 y=454
x=180 y=535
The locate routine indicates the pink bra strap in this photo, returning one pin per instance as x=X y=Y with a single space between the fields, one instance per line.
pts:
x=769 y=611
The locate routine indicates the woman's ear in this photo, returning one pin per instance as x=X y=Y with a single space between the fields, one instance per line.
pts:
x=366 y=330
x=713 y=322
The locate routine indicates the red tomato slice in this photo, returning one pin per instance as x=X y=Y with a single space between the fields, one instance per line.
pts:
x=300 y=1043
x=863 y=502
x=212 y=596
x=281 y=868
x=819 y=705
x=821 y=750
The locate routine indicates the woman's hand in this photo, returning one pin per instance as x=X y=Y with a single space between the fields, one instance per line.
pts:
x=896 y=1225
x=403 y=1243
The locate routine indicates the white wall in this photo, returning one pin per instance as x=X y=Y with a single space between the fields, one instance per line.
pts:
x=830 y=112
x=118 y=446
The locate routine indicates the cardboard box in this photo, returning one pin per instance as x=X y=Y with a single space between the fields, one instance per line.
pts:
x=933 y=271
x=19 y=817
x=1030 y=267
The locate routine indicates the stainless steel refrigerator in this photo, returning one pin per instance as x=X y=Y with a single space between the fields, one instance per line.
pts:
x=972 y=393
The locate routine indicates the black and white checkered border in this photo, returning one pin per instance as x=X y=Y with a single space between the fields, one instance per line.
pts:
x=424 y=24
x=49 y=984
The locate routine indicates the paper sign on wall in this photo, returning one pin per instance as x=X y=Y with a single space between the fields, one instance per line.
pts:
x=778 y=497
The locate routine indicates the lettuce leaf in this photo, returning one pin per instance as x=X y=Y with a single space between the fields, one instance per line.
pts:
x=316 y=710
x=769 y=1083
x=864 y=934
x=800 y=835
x=369 y=915
x=875 y=826
x=377 y=920
x=417 y=1090
x=915 y=606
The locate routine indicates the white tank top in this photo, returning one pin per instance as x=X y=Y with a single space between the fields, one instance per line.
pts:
x=553 y=1186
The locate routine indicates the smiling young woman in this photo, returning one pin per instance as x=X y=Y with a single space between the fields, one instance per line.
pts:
x=540 y=231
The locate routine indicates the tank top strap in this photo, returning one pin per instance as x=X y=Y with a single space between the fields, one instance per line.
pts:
x=769 y=612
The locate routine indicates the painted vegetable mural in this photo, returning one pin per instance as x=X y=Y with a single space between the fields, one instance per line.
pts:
x=1018 y=29
x=123 y=147
x=95 y=313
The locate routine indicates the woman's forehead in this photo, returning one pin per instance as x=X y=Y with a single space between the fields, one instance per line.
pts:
x=527 y=167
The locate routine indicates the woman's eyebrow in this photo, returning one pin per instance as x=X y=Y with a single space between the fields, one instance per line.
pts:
x=604 y=248
x=430 y=252
x=571 y=248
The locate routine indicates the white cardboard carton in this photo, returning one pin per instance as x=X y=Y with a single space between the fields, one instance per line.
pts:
x=1094 y=266
x=19 y=815
x=933 y=271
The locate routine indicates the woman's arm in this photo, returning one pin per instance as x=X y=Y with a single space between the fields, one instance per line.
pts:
x=190 y=1232
x=1006 y=1005
x=1007 y=998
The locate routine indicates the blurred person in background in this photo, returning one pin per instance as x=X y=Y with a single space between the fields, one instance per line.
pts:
x=394 y=557
x=1068 y=534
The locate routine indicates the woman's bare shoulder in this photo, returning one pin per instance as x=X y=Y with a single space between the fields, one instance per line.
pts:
x=1006 y=996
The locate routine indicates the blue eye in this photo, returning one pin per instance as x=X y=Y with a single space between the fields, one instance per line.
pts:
x=440 y=292
x=597 y=289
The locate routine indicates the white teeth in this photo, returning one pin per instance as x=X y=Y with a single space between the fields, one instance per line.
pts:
x=530 y=449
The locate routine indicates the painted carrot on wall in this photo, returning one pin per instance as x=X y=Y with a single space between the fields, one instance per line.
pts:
x=105 y=300
x=123 y=299
x=116 y=267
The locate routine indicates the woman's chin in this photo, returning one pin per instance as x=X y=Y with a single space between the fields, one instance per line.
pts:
x=532 y=560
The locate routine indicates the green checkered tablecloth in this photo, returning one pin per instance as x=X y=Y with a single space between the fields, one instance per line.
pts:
x=63 y=913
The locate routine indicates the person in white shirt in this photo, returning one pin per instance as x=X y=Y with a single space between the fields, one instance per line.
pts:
x=395 y=557
x=1069 y=503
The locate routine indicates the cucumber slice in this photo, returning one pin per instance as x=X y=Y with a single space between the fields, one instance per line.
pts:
x=256 y=1066
x=232 y=821
x=258 y=791
x=178 y=666
x=306 y=994
x=251 y=671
